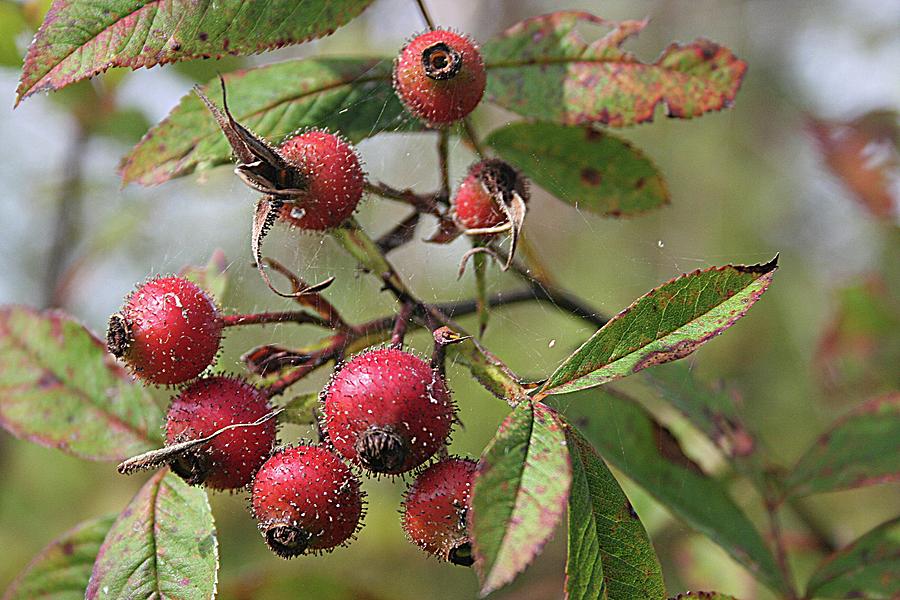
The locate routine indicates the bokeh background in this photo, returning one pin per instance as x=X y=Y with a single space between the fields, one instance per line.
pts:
x=746 y=183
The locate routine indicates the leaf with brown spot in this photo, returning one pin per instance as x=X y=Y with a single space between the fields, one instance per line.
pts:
x=63 y=568
x=860 y=449
x=865 y=155
x=80 y=39
x=162 y=545
x=867 y=568
x=588 y=169
x=60 y=388
x=542 y=68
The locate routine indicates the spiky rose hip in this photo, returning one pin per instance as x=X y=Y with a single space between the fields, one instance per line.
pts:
x=230 y=459
x=331 y=176
x=476 y=204
x=306 y=500
x=168 y=331
x=435 y=509
x=387 y=410
x=440 y=77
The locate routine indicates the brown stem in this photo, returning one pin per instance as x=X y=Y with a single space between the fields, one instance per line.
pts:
x=781 y=556
x=424 y=203
x=472 y=138
x=425 y=15
x=444 y=162
x=401 y=323
x=263 y=318
x=65 y=230
x=402 y=233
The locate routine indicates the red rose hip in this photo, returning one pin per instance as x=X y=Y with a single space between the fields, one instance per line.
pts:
x=332 y=177
x=306 y=500
x=440 y=77
x=388 y=411
x=168 y=331
x=229 y=460
x=477 y=203
x=435 y=509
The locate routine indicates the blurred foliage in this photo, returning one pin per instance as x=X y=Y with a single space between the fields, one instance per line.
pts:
x=743 y=184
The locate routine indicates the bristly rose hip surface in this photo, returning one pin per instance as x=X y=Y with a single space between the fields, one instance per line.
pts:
x=168 y=332
x=489 y=183
x=388 y=411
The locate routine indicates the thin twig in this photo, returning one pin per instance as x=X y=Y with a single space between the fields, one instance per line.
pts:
x=425 y=15
x=473 y=139
x=263 y=318
x=401 y=323
x=426 y=203
x=443 y=148
x=781 y=556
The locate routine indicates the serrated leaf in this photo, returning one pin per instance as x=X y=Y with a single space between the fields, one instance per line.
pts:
x=81 y=38
x=212 y=277
x=61 y=389
x=610 y=554
x=350 y=95
x=519 y=493
x=163 y=545
x=860 y=449
x=584 y=167
x=867 y=568
x=629 y=439
x=62 y=569
x=541 y=68
x=666 y=324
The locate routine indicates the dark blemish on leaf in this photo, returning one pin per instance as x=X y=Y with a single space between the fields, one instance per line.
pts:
x=48 y=380
x=639 y=184
x=68 y=548
x=176 y=47
x=225 y=43
x=631 y=512
x=591 y=176
x=592 y=135
x=184 y=582
x=203 y=36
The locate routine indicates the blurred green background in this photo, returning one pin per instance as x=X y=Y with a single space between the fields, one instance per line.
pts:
x=745 y=183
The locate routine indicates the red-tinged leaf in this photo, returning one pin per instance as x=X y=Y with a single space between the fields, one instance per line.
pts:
x=542 y=68
x=163 y=545
x=867 y=568
x=863 y=154
x=702 y=596
x=609 y=553
x=350 y=95
x=81 y=38
x=60 y=388
x=859 y=349
x=519 y=493
x=666 y=324
x=860 y=449
x=63 y=568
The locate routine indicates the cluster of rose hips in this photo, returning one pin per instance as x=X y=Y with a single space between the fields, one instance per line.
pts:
x=385 y=411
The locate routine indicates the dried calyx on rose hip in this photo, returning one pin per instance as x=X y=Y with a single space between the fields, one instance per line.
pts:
x=331 y=176
x=440 y=77
x=167 y=332
x=387 y=410
x=486 y=199
x=230 y=459
x=306 y=500
x=435 y=508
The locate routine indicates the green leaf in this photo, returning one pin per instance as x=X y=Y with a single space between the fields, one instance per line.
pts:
x=163 y=545
x=702 y=596
x=666 y=324
x=350 y=95
x=610 y=554
x=300 y=410
x=581 y=166
x=62 y=569
x=867 y=568
x=212 y=278
x=144 y=33
x=519 y=493
x=542 y=68
x=859 y=450
x=61 y=389
x=629 y=439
